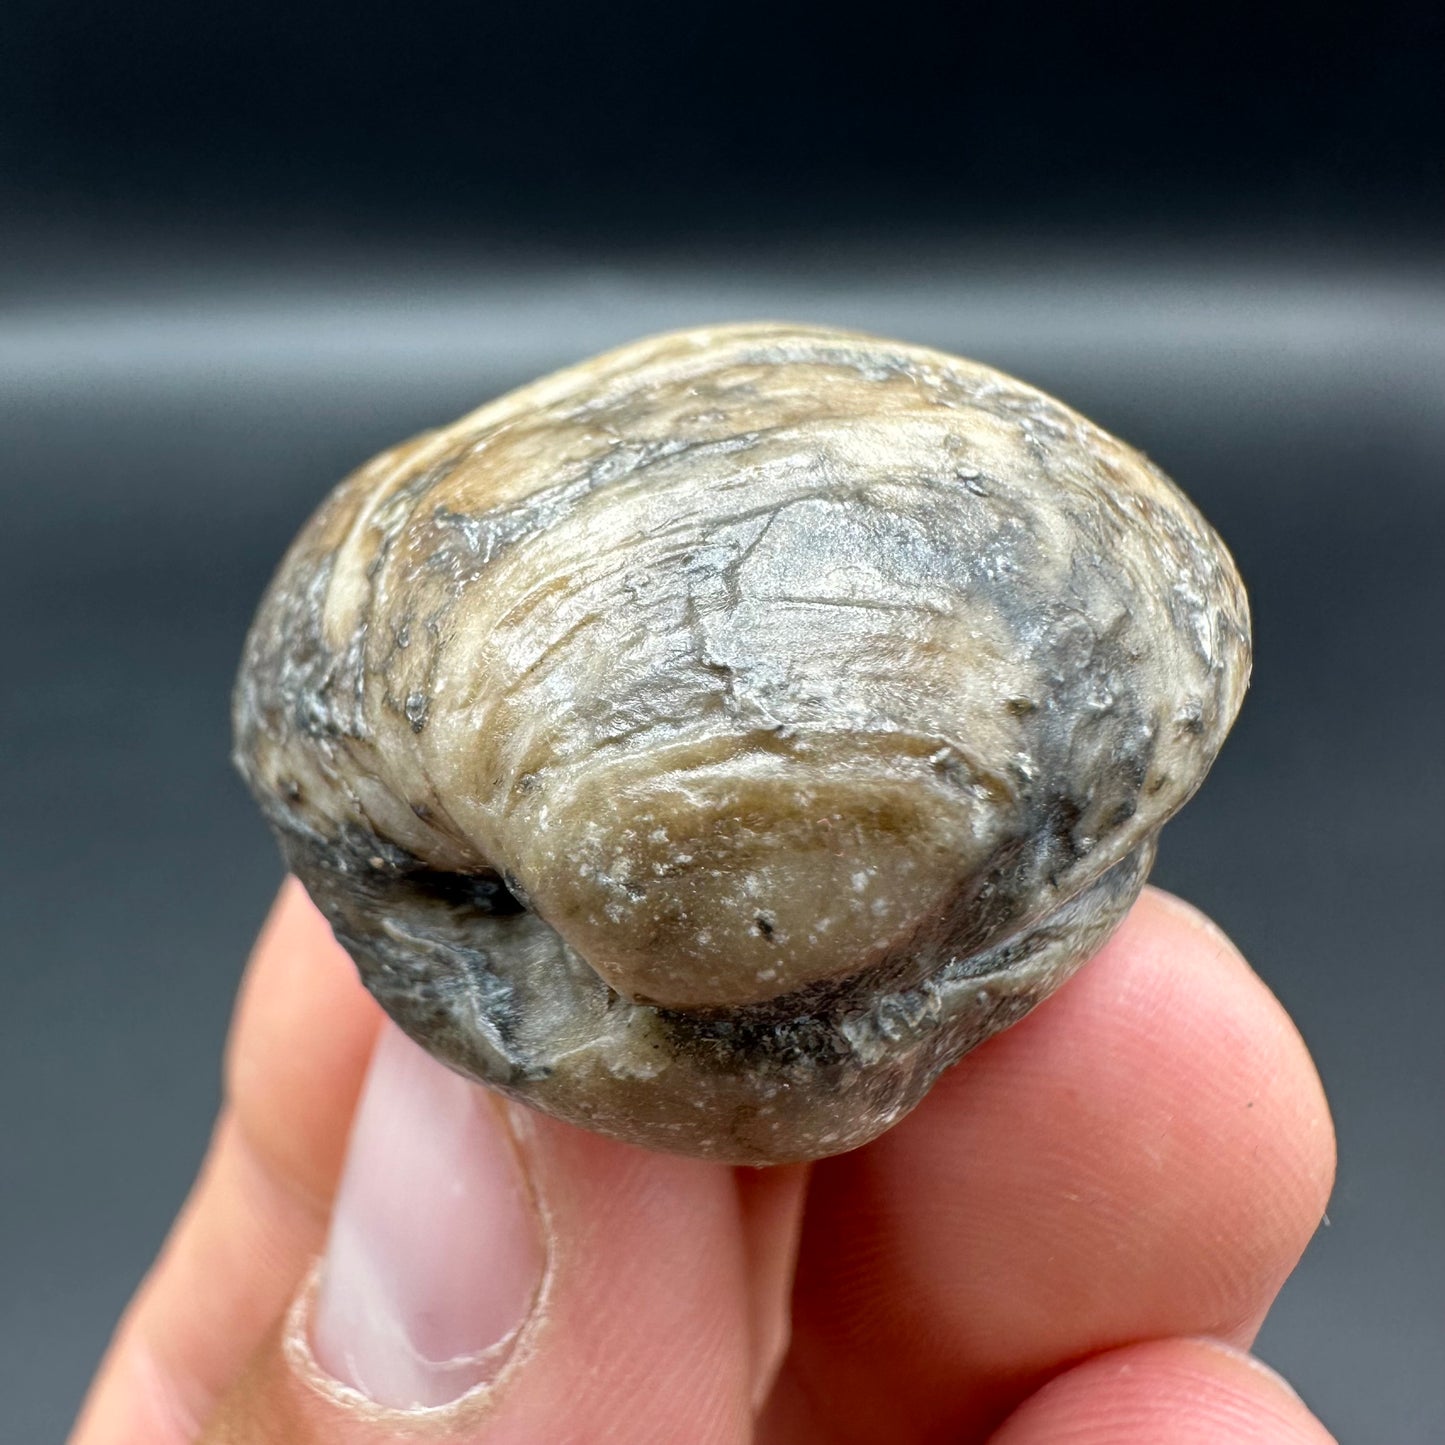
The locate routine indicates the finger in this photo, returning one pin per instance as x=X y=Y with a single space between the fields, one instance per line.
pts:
x=612 y=1304
x=257 y=1215
x=1171 y=1392
x=1145 y=1156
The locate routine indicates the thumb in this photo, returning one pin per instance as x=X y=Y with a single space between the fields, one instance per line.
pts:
x=497 y=1277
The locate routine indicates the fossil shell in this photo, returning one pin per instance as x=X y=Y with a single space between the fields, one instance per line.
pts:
x=712 y=742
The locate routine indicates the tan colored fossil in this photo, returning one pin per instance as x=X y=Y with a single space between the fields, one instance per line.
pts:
x=712 y=742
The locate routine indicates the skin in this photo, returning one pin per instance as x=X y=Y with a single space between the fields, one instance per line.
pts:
x=1075 y=1238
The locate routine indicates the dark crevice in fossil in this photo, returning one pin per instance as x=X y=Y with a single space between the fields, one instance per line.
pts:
x=483 y=893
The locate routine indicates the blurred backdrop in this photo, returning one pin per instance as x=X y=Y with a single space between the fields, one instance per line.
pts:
x=242 y=248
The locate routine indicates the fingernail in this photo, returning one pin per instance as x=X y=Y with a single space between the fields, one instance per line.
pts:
x=435 y=1252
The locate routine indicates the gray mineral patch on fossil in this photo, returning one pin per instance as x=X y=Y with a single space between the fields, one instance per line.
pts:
x=711 y=743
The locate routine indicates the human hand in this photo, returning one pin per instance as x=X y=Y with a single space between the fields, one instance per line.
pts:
x=1075 y=1237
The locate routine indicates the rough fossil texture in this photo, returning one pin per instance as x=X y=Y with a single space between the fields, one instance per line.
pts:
x=712 y=742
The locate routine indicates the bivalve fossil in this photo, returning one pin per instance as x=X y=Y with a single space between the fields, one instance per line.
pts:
x=712 y=742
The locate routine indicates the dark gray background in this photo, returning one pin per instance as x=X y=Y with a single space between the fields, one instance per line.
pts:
x=237 y=256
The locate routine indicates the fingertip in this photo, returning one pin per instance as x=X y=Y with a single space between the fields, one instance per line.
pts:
x=299 y=1044
x=1166 y=1392
x=292 y=923
x=1159 y=907
x=1206 y=1096
x=1241 y=1030
x=1144 y=1156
